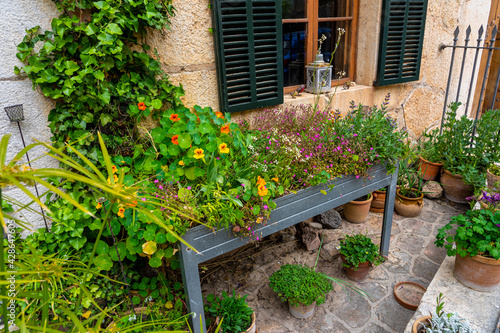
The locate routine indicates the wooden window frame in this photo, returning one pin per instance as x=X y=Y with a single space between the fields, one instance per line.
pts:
x=312 y=20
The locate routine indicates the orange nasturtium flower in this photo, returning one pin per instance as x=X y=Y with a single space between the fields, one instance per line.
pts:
x=115 y=177
x=225 y=129
x=174 y=117
x=198 y=153
x=120 y=212
x=133 y=204
x=99 y=205
x=219 y=114
x=114 y=169
x=276 y=179
x=261 y=181
x=181 y=163
x=175 y=139
x=223 y=148
x=141 y=106
x=262 y=190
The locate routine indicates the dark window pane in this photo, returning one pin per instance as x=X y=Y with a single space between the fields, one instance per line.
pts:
x=341 y=58
x=334 y=8
x=292 y=9
x=294 y=39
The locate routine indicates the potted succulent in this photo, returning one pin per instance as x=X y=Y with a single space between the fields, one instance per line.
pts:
x=302 y=287
x=493 y=177
x=409 y=196
x=441 y=321
x=356 y=211
x=430 y=154
x=358 y=254
x=474 y=240
x=233 y=313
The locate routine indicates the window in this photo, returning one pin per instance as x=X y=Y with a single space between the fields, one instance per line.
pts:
x=304 y=21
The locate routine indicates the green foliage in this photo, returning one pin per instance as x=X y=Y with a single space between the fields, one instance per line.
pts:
x=300 y=285
x=233 y=311
x=409 y=179
x=430 y=146
x=358 y=249
x=446 y=322
x=475 y=232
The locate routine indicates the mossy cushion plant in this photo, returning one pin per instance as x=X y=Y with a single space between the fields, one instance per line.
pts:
x=299 y=284
x=233 y=311
x=358 y=249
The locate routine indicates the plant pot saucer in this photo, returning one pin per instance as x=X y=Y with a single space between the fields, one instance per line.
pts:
x=409 y=294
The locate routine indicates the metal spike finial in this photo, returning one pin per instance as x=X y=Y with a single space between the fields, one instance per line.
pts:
x=15 y=112
x=493 y=34
x=467 y=33
x=480 y=32
x=457 y=30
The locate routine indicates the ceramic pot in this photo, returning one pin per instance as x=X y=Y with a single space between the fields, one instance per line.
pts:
x=252 y=327
x=408 y=207
x=357 y=211
x=428 y=170
x=357 y=275
x=302 y=311
x=421 y=320
x=491 y=179
x=378 y=203
x=478 y=272
x=454 y=188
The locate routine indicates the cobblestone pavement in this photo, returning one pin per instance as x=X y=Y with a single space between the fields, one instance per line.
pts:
x=412 y=257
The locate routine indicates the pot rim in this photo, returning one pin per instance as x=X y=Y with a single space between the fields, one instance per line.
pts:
x=418 y=321
x=483 y=259
x=362 y=202
x=254 y=318
x=431 y=163
x=455 y=175
x=421 y=197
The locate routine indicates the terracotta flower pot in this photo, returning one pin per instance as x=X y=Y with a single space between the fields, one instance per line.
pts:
x=378 y=203
x=357 y=275
x=357 y=211
x=478 y=272
x=252 y=327
x=492 y=179
x=408 y=207
x=418 y=322
x=454 y=187
x=302 y=311
x=428 y=170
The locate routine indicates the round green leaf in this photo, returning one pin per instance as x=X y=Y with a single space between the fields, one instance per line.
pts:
x=161 y=238
x=122 y=250
x=184 y=140
x=156 y=103
x=155 y=262
x=102 y=247
x=103 y=262
x=136 y=300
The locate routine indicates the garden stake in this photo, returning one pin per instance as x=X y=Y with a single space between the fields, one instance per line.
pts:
x=2 y=270
x=15 y=114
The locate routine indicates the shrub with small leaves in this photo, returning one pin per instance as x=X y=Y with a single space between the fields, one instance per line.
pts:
x=358 y=249
x=235 y=313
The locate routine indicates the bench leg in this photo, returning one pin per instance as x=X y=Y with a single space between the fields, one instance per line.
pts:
x=388 y=213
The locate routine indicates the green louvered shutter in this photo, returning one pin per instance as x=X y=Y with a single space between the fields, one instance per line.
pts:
x=401 y=41
x=249 y=52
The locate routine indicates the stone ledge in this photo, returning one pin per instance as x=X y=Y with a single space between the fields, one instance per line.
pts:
x=481 y=309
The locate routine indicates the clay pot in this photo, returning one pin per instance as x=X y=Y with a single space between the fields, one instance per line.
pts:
x=357 y=275
x=302 y=311
x=428 y=170
x=252 y=327
x=478 y=272
x=378 y=203
x=491 y=179
x=357 y=211
x=454 y=188
x=408 y=207
x=421 y=320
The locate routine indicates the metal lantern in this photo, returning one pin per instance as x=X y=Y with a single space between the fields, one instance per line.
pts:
x=319 y=76
x=15 y=112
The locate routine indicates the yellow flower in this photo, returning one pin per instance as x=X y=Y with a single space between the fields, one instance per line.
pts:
x=261 y=181
x=276 y=179
x=198 y=153
x=223 y=148
x=262 y=190
x=120 y=212
x=26 y=168
x=115 y=177
x=99 y=205
x=114 y=169
x=181 y=163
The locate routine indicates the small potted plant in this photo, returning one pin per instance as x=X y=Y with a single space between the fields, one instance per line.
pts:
x=474 y=240
x=302 y=287
x=409 y=196
x=358 y=254
x=441 y=321
x=233 y=313
x=430 y=154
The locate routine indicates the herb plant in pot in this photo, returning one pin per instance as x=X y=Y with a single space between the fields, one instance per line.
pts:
x=356 y=211
x=233 y=313
x=409 y=197
x=358 y=254
x=302 y=287
x=476 y=236
x=430 y=155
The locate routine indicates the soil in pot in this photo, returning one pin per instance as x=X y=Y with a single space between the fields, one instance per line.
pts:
x=357 y=210
x=356 y=275
x=378 y=202
x=454 y=188
x=428 y=170
x=479 y=273
x=302 y=311
x=410 y=204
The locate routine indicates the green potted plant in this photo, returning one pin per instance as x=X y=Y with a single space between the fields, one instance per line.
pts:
x=358 y=254
x=430 y=154
x=409 y=196
x=474 y=239
x=302 y=287
x=441 y=321
x=233 y=313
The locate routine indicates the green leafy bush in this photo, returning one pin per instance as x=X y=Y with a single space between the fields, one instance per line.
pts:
x=358 y=249
x=233 y=311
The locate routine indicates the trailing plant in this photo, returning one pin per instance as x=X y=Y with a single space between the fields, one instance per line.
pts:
x=358 y=249
x=233 y=312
